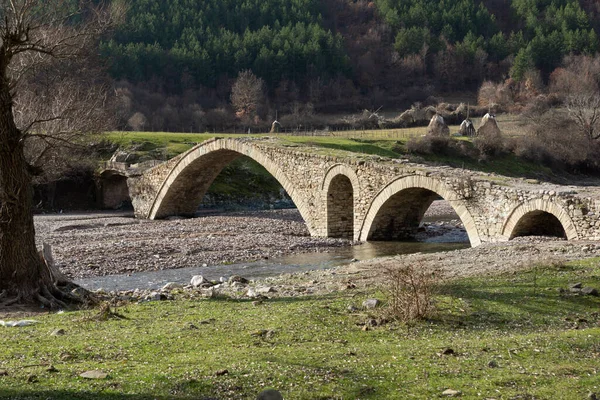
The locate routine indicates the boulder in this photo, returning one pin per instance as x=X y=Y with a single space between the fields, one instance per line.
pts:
x=197 y=280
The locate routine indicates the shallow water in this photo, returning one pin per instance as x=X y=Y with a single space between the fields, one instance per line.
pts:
x=270 y=267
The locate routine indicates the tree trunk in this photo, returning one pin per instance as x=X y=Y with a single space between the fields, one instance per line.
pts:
x=24 y=277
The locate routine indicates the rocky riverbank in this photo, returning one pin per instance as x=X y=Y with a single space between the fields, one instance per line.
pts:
x=99 y=244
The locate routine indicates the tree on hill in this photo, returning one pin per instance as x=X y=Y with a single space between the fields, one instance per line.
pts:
x=49 y=95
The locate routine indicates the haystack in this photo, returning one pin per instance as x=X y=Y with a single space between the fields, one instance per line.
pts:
x=275 y=127
x=437 y=126
x=466 y=128
x=489 y=126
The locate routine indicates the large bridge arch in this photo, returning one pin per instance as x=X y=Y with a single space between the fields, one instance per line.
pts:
x=540 y=215
x=420 y=189
x=184 y=187
x=341 y=191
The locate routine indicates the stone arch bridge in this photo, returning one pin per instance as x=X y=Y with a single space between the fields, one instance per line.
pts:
x=371 y=198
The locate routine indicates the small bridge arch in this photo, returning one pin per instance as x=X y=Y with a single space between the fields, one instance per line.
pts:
x=185 y=185
x=341 y=189
x=539 y=217
x=413 y=195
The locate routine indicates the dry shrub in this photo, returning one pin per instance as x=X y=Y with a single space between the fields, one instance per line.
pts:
x=490 y=144
x=410 y=290
x=438 y=145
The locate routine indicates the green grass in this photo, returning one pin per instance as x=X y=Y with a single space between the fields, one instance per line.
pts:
x=318 y=352
x=371 y=143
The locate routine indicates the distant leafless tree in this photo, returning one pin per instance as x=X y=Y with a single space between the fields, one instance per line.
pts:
x=247 y=94
x=584 y=110
x=579 y=82
x=50 y=95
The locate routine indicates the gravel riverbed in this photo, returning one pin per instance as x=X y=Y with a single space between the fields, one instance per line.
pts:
x=99 y=244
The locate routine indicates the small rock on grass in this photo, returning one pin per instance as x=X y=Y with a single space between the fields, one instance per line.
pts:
x=590 y=291
x=451 y=393
x=371 y=303
x=58 y=332
x=94 y=375
x=269 y=394
x=493 y=364
x=221 y=372
x=3 y=372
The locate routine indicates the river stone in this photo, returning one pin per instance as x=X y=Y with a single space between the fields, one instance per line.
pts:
x=590 y=291
x=94 y=375
x=371 y=303
x=197 y=280
x=171 y=286
x=269 y=394
x=155 y=296
x=266 y=289
x=238 y=279
x=577 y=285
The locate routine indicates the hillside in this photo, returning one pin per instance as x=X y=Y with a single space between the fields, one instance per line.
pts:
x=176 y=62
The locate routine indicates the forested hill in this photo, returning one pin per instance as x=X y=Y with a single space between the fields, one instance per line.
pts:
x=343 y=53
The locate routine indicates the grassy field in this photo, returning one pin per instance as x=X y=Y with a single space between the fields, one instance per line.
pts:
x=513 y=336
x=391 y=144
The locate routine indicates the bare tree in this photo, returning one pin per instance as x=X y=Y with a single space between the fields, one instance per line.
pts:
x=579 y=82
x=247 y=94
x=49 y=95
x=584 y=110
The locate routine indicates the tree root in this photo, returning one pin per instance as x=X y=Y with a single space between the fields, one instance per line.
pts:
x=11 y=302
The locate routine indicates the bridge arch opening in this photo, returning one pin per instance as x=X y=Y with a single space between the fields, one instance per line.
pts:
x=114 y=193
x=340 y=208
x=539 y=223
x=397 y=212
x=183 y=190
x=539 y=218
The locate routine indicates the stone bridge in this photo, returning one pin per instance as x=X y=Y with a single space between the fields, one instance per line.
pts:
x=372 y=198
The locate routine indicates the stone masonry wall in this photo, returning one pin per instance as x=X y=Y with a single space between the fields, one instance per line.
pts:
x=489 y=205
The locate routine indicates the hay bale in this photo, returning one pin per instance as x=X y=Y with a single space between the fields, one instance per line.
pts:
x=489 y=126
x=437 y=126
x=407 y=117
x=275 y=127
x=466 y=128
x=429 y=113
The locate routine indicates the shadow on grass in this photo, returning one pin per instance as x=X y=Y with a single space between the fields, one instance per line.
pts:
x=521 y=306
x=73 y=395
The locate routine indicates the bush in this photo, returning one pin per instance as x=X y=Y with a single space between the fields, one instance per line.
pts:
x=489 y=144
x=438 y=145
x=410 y=292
